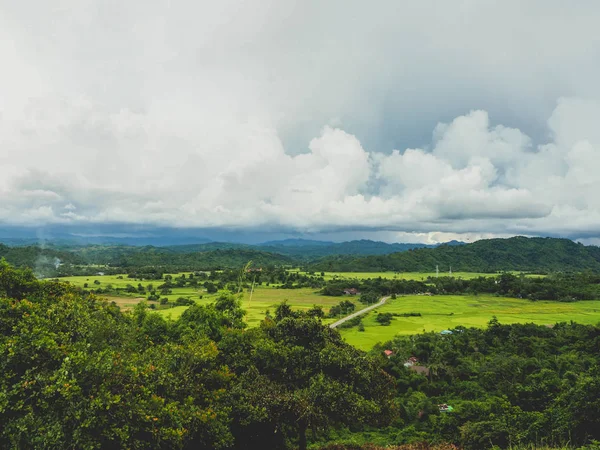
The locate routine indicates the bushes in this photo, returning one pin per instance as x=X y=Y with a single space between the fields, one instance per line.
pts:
x=384 y=318
x=344 y=308
x=184 y=301
x=351 y=323
x=368 y=298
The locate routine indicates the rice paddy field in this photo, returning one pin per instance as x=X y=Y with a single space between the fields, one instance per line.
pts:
x=267 y=298
x=440 y=312
x=437 y=312
x=263 y=298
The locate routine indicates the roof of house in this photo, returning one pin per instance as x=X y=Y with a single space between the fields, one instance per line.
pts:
x=388 y=352
x=411 y=361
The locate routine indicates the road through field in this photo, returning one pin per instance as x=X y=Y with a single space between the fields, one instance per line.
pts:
x=359 y=313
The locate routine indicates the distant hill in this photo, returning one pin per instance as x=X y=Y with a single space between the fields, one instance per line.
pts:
x=209 y=246
x=220 y=258
x=311 y=250
x=305 y=250
x=490 y=255
x=296 y=243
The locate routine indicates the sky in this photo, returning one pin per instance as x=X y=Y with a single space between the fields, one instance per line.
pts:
x=393 y=120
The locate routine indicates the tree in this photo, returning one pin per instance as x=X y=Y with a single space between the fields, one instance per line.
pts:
x=369 y=297
x=384 y=318
x=313 y=379
x=84 y=375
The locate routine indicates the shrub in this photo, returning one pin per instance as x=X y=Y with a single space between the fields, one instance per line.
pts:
x=384 y=318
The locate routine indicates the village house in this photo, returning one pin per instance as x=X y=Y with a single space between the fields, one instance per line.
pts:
x=445 y=408
x=351 y=291
x=412 y=361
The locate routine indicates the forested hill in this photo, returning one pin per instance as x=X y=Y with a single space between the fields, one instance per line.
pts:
x=60 y=261
x=41 y=260
x=490 y=255
x=314 y=249
x=119 y=256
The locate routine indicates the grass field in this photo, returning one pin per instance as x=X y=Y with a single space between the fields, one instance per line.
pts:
x=267 y=298
x=115 y=280
x=126 y=300
x=447 y=311
x=264 y=298
x=438 y=312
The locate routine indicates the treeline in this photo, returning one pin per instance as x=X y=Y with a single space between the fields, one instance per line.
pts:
x=556 y=287
x=541 y=255
x=89 y=260
x=79 y=373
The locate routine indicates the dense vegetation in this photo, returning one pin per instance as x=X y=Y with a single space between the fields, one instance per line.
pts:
x=44 y=261
x=88 y=260
x=79 y=373
x=491 y=255
x=83 y=374
x=508 y=385
x=126 y=257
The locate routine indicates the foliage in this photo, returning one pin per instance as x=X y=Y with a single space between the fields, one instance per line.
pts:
x=82 y=374
x=344 y=308
x=384 y=318
x=510 y=385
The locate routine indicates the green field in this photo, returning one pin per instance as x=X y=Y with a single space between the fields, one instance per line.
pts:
x=438 y=312
x=447 y=311
x=125 y=300
x=267 y=298
x=263 y=298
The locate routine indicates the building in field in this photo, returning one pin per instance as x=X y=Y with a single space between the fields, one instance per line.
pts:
x=351 y=291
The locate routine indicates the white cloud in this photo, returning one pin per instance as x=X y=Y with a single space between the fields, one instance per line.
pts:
x=214 y=115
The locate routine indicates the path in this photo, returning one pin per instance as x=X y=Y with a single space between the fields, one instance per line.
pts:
x=361 y=312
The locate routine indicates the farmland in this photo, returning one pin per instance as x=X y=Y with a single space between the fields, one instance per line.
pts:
x=266 y=299
x=438 y=312
x=447 y=311
x=263 y=298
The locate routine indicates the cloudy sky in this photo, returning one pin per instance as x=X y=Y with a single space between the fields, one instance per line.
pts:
x=399 y=120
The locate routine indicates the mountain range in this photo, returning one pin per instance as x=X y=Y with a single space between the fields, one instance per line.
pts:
x=490 y=255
